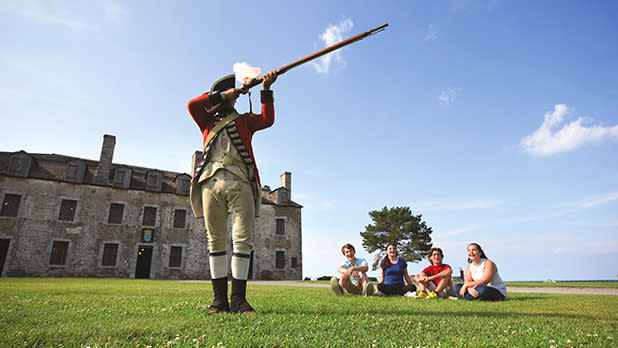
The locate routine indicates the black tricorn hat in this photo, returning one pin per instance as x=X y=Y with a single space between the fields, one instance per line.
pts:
x=223 y=84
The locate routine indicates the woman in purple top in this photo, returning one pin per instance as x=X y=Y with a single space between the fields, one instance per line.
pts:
x=393 y=271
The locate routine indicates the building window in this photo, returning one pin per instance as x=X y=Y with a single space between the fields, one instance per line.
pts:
x=279 y=259
x=122 y=177
x=175 y=260
x=280 y=227
x=75 y=172
x=282 y=196
x=67 y=210
x=20 y=165
x=183 y=184
x=10 y=205
x=180 y=217
x=294 y=262
x=116 y=211
x=150 y=216
x=110 y=254
x=58 y=256
x=119 y=176
x=153 y=181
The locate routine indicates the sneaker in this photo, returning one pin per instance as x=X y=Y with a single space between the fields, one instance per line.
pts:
x=410 y=294
x=380 y=293
x=334 y=284
x=369 y=291
x=432 y=295
x=421 y=294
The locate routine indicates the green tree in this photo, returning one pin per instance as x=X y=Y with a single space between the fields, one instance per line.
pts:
x=397 y=226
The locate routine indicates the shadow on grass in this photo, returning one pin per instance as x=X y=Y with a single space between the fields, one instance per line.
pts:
x=516 y=307
x=464 y=313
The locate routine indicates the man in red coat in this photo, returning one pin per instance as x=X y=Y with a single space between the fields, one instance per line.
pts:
x=227 y=183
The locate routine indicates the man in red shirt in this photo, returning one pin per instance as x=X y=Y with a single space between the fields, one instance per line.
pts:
x=435 y=280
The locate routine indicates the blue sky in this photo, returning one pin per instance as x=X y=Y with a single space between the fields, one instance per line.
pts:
x=495 y=120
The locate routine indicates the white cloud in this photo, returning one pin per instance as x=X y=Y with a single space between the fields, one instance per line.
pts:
x=448 y=96
x=600 y=246
x=461 y=205
x=113 y=11
x=432 y=33
x=459 y=231
x=479 y=204
x=73 y=15
x=560 y=251
x=591 y=248
x=35 y=10
x=599 y=200
x=548 y=139
x=332 y=35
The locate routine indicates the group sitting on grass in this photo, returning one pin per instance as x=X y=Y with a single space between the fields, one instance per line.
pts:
x=481 y=282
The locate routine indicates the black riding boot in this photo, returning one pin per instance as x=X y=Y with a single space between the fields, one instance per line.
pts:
x=239 y=301
x=220 y=303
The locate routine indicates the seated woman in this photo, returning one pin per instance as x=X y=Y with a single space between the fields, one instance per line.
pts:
x=393 y=270
x=482 y=280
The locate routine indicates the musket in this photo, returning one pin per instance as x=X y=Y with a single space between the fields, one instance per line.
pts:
x=282 y=70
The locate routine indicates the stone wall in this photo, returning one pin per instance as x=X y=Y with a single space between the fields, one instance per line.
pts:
x=33 y=231
x=43 y=181
x=267 y=243
x=36 y=227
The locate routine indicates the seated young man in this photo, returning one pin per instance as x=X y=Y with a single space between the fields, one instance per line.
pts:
x=353 y=275
x=435 y=280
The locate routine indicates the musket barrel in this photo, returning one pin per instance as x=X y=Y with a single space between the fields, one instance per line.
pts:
x=378 y=29
x=331 y=48
x=282 y=70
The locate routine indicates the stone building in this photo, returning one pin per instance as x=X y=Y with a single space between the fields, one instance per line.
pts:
x=63 y=216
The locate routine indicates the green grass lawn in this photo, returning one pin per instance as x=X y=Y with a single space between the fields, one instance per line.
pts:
x=139 y=313
x=603 y=285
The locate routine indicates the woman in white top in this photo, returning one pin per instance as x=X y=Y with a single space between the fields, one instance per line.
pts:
x=482 y=281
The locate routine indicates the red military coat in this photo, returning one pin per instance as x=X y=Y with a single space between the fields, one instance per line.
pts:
x=247 y=123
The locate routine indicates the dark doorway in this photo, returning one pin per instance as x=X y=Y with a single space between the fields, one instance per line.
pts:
x=144 y=258
x=4 y=250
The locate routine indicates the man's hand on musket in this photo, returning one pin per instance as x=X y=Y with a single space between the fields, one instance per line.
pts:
x=231 y=94
x=268 y=78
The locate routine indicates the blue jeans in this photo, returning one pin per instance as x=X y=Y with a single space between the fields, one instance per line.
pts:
x=486 y=293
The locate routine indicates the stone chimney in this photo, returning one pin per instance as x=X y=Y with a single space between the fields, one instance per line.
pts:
x=195 y=160
x=265 y=191
x=286 y=182
x=105 y=162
